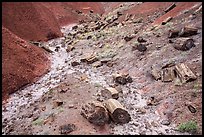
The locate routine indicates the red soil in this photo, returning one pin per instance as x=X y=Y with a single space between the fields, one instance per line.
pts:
x=30 y=21
x=65 y=12
x=22 y=63
x=35 y=21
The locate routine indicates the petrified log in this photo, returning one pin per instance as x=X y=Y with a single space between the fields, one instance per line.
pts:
x=173 y=33
x=184 y=73
x=95 y=113
x=188 y=31
x=117 y=112
x=89 y=59
x=170 y=7
x=155 y=72
x=70 y=48
x=167 y=74
x=110 y=93
x=47 y=48
x=184 y=44
x=166 y=20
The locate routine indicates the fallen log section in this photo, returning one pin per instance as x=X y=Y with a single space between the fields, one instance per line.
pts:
x=117 y=112
x=184 y=73
x=95 y=113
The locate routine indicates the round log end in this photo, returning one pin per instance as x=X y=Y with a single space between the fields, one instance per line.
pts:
x=121 y=116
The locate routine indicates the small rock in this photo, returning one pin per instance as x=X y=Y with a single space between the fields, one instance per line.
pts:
x=152 y=101
x=128 y=38
x=165 y=122
x=122 y=78
x=184 y=45
x=66 y=129
x=141 y=110
x=141 y=40
x=70 y=106
x=57 y=103
x=75 y=63
x=141 y=47
x=57 y=48
x=191 y=108
x=97 y=64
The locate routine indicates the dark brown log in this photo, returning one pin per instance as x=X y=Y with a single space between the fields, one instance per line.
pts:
x=170 y=8
x=167 y=74
x=184 y=73
x=117 y=112
x=188 y=31
x=95 y=113
x=173 y=33
x=184 y=44
x=110 y=93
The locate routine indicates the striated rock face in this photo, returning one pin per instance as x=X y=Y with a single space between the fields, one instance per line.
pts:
x=30 y=21
x=22 y=63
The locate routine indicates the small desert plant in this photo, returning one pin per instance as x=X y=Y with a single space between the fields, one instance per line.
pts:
x=190 y=126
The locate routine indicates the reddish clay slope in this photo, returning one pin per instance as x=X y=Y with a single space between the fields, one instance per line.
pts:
x=65 y=12
x=21 y=63
x=29 y=20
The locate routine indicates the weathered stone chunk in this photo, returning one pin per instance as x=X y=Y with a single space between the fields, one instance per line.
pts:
x=122 y=78
x=67 y=128
x=184 y=44
x=140 y=47
x=57 y=103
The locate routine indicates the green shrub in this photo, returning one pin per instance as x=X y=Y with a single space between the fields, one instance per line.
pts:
x=190 y=126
